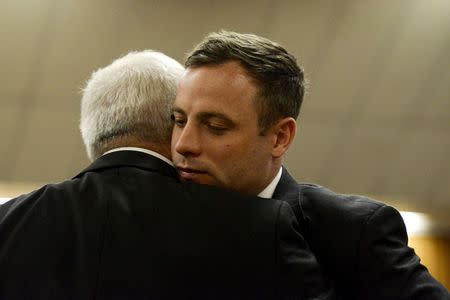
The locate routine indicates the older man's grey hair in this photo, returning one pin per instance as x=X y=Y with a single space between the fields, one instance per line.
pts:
x=130 y=98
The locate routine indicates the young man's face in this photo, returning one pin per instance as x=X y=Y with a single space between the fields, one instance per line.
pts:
x=216 y=138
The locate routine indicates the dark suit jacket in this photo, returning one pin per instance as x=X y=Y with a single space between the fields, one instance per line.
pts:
x=125 y=228
x=360 y=243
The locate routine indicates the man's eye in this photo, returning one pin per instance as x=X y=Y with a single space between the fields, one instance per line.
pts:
x=218 y=130
x=177 y=120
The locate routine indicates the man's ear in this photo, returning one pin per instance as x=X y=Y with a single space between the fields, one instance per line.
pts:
x=283 y=135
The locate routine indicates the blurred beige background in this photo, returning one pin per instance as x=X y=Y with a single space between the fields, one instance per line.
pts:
x=376 y=119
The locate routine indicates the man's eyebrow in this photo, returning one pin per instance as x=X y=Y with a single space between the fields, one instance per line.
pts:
x=178 y=110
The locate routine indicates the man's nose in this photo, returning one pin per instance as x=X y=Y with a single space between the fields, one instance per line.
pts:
x=188 y=143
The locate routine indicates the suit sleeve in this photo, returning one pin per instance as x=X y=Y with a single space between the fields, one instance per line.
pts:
x=389 y=268
x=302 y=277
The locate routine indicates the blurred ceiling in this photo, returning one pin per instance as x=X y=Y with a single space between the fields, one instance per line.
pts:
x=376 y=119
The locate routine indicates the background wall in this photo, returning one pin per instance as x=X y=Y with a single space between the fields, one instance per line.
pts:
x=435 y=255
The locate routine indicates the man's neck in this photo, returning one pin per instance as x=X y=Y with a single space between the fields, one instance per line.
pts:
x=121 y=142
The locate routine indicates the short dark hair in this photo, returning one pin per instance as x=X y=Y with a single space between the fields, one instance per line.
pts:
x=280 y=79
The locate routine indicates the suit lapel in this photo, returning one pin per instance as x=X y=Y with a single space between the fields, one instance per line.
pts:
x=290 y=191
x=287 y=188
x=130 y=159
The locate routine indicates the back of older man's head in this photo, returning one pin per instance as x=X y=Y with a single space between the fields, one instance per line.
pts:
x=130 y=99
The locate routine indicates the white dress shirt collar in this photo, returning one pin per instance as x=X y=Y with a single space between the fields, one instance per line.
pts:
x=153 y=153
x=270 y=189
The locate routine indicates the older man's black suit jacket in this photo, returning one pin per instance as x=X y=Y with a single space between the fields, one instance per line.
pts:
x=360 y=243
x=125 y=228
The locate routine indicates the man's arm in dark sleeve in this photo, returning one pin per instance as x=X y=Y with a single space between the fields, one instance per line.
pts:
x=302 y=277
x=389 y=268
